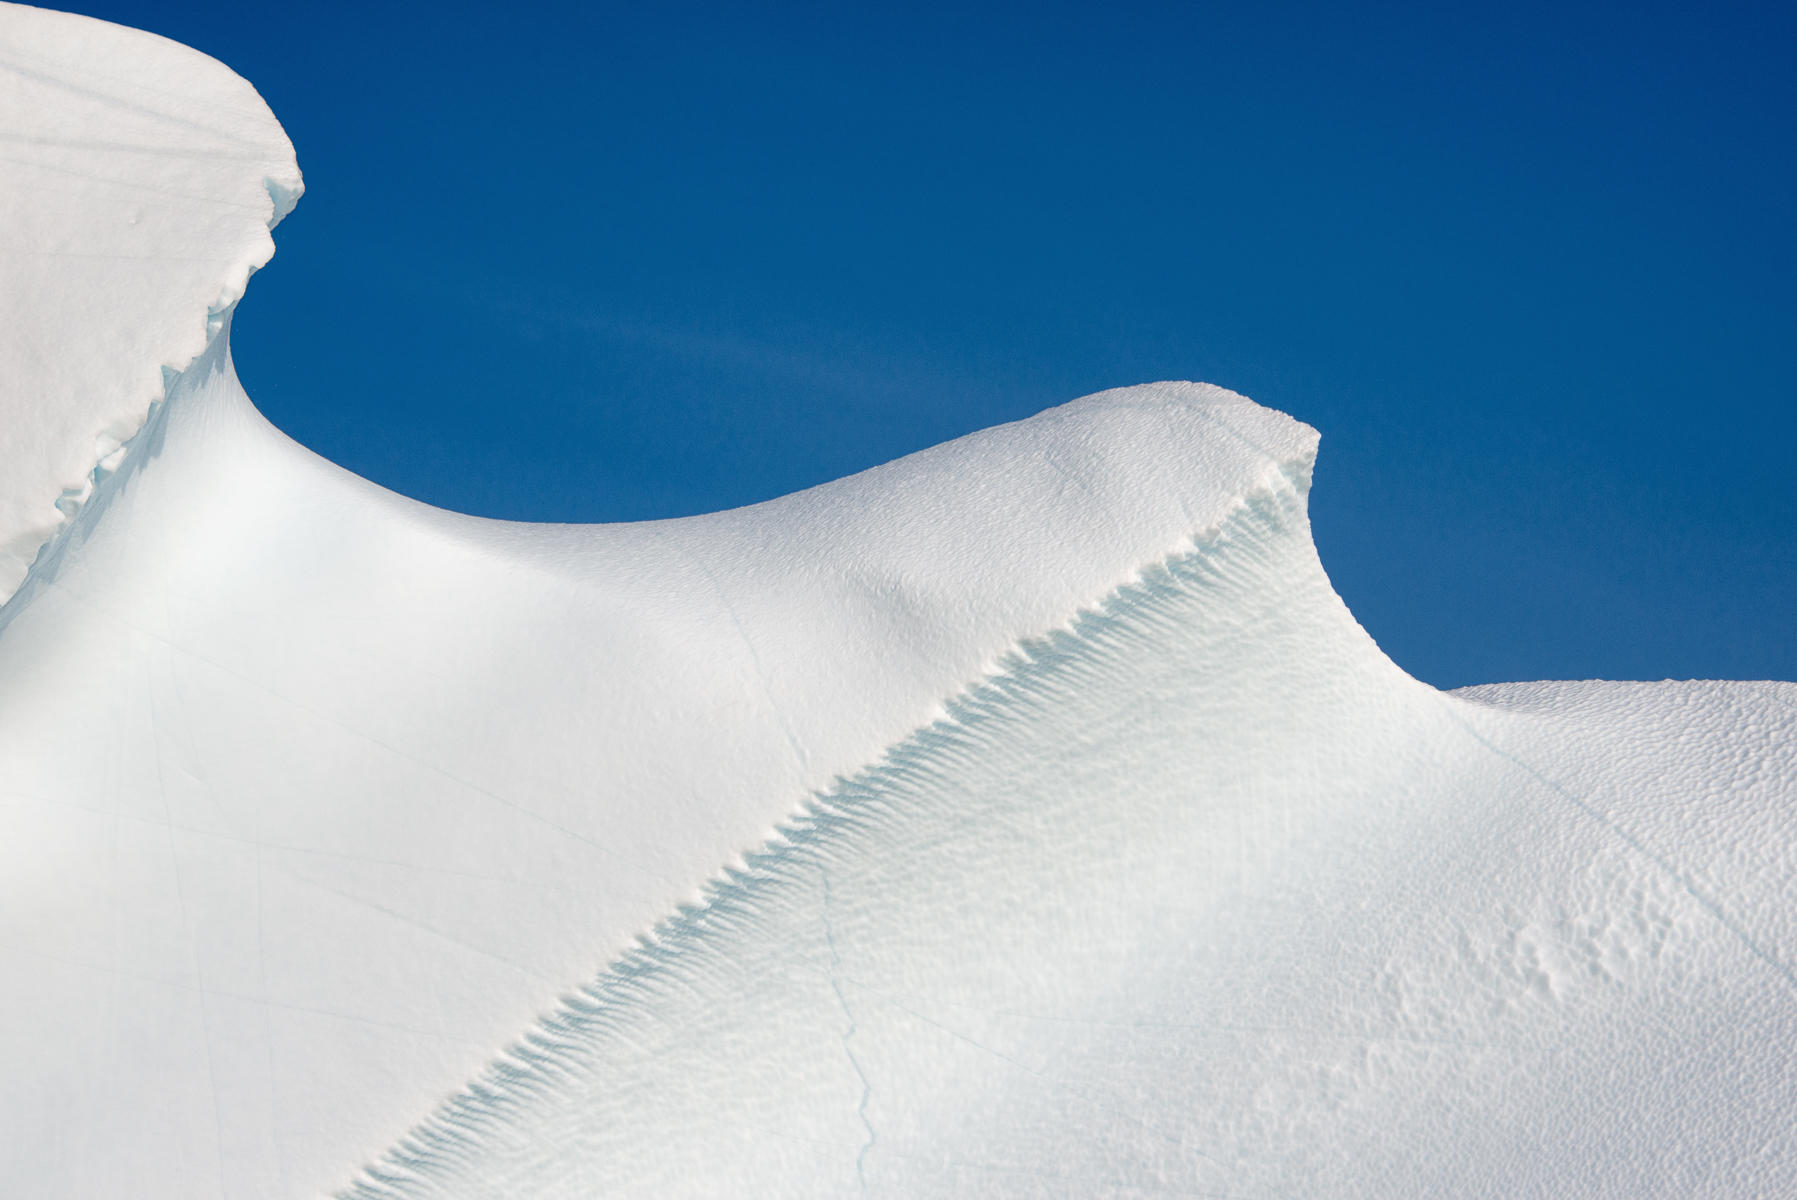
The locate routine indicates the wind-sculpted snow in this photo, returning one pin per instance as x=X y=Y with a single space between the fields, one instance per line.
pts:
x=138 y=184
x=1026 y=816
x=1202 y=896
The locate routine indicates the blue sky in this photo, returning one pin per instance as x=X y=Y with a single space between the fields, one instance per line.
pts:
x=1528 y=267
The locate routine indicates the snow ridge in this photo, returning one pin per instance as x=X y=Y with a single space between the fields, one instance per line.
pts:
x=548 y=1068
x=81 y=507
x=142 y=183
x=1200 y=895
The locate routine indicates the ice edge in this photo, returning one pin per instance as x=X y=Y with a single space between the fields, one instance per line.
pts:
x=112 y=451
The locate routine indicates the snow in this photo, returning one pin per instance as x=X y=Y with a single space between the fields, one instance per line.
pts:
x=140 y=183
x=1204 y=897
x=1027 y=816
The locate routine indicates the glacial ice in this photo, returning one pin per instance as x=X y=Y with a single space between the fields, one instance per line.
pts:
x=1024 y=817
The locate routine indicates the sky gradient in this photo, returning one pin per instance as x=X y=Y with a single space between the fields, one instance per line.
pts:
x=1529 y=269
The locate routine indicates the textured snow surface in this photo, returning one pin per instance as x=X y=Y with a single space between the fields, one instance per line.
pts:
x=1203 y=896
x=1024 y=817
x=138 y=182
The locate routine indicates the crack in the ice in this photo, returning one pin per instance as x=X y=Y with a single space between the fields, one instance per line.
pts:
x=842 y=1001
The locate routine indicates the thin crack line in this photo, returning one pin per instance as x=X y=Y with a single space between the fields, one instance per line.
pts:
x=1713 y=907
x=842 y=1001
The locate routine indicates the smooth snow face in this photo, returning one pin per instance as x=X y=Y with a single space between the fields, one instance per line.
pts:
x=1116 y=858
x=1203 y=896
x=140 y=182
x=337 y=793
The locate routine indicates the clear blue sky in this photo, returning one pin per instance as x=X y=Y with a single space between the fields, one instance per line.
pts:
x=1530 y=268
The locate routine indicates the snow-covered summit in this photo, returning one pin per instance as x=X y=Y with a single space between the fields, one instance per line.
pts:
x=1026 y=816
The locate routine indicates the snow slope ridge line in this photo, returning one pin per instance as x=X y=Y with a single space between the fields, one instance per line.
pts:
x=398 y=776
x=552 y=1060
x=83 y=507
x=142 y=182
x=1199 y=895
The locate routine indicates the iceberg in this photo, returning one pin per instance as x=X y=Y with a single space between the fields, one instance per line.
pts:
x=1027 y=816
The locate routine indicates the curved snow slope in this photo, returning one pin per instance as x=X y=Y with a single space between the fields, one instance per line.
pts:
x=1202 y=896
x=138 y=182
x=314 y=797
x=1117 y=859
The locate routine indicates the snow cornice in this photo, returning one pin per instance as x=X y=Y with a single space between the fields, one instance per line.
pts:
x=142 y=183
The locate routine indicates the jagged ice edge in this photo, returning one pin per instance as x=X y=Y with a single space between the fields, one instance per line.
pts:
x=112 y=454
x=1024 y=678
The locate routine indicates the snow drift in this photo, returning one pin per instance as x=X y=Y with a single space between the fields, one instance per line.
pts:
x=140 y=183
x=1024 y=817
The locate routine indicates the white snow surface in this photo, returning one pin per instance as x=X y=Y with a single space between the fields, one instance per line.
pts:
x=1024 y=817
x=139 y=180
